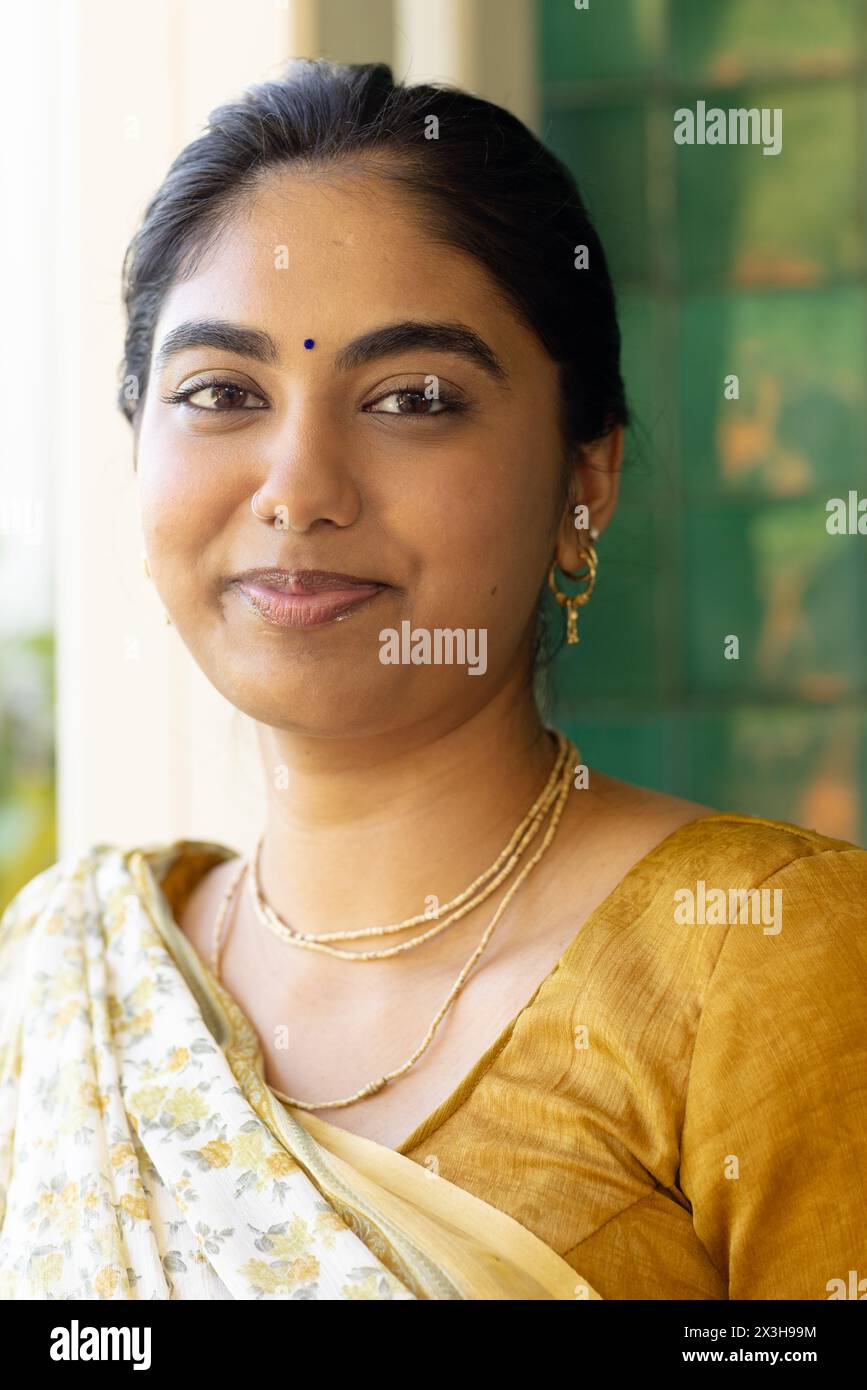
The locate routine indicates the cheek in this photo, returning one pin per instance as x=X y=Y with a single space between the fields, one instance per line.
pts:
x=181 y=498
x=482 y=542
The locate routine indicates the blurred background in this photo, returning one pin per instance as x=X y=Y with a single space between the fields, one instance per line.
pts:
x=725 y=262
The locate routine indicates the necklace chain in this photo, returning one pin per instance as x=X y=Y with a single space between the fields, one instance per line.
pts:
x=555 y=791
x=480 y=889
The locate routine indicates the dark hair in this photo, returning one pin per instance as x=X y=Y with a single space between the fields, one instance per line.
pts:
x=486 y=185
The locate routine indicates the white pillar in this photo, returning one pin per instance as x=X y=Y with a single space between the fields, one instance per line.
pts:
x=487 y=46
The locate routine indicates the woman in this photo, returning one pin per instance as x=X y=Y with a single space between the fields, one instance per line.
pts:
x=600 y=1042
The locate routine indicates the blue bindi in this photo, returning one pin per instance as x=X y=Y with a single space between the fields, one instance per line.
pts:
x=308 y=342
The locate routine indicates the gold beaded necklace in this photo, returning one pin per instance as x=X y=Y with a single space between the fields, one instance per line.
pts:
x=443 y=916
x=555 y=791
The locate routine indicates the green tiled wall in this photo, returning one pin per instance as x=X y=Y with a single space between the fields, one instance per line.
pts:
x=726 y=261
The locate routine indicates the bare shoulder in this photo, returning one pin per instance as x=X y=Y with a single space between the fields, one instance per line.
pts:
x=620 y=822
x=641 y=806
x=198 y=914
x=606 y=830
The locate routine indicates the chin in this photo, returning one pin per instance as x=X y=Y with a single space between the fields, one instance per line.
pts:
x=348 y=700
x=303 y=699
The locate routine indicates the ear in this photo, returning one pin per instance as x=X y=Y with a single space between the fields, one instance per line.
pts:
x=595 y=484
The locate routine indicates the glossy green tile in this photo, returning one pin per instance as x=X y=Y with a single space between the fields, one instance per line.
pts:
x=772 y=577
x=616 y=39
x=804 y=766
x=636 y=747
x=799 y=425
x=700 y=754
x=729 y=40
x=722 y=525
x=791 y=219
x=606 y=152
x=648 y=325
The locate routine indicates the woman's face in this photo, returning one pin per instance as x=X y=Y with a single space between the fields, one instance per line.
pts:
x=448 y=502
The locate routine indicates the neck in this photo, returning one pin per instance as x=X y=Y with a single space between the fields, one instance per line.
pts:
x=366 y=832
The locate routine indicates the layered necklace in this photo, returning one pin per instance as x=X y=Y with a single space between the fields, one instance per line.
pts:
x=551 y=799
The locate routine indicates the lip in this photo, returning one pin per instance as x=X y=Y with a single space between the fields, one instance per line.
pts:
x=304 y=598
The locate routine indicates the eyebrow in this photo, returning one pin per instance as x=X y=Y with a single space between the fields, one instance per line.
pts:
x=377 y=342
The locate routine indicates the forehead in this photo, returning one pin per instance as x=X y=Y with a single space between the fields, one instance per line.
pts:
x=326 y=254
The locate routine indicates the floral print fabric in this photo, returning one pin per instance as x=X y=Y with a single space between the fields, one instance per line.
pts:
x=134 y=1164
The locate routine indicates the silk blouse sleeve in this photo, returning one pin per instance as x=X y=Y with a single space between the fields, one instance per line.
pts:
x=774 y=1142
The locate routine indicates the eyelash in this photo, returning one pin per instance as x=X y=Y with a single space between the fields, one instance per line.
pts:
x=449 y=404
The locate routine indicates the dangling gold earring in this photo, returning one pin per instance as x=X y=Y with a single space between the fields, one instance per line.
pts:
x=147 y=569
x=572 y=602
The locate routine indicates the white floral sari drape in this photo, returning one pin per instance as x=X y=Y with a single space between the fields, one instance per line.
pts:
x=142 y=1155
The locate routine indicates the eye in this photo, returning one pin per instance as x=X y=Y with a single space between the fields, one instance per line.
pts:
x=412 y=400
x=222 y=396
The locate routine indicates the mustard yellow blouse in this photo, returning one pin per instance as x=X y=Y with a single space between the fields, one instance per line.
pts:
x=680 y=1110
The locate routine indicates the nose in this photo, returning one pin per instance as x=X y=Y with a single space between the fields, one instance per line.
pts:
x=307 y=482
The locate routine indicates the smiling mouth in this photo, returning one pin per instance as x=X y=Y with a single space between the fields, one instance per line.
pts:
x=306 y=598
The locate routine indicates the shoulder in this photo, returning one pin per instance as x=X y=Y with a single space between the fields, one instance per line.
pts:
x=806 y=889
x=806 y=873
x=725 y=907
x=55 y=893
x=775 y=1095
x=672 y=829
x=39 y=908
x=683 y=840
x=648 y=841
x=790 y=910
x=47 y=891
x=194 y=888
x=645 y=855
x=29 y=901
x=779 y=915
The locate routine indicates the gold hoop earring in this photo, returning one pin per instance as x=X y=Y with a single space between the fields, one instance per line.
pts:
x=572 y=602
